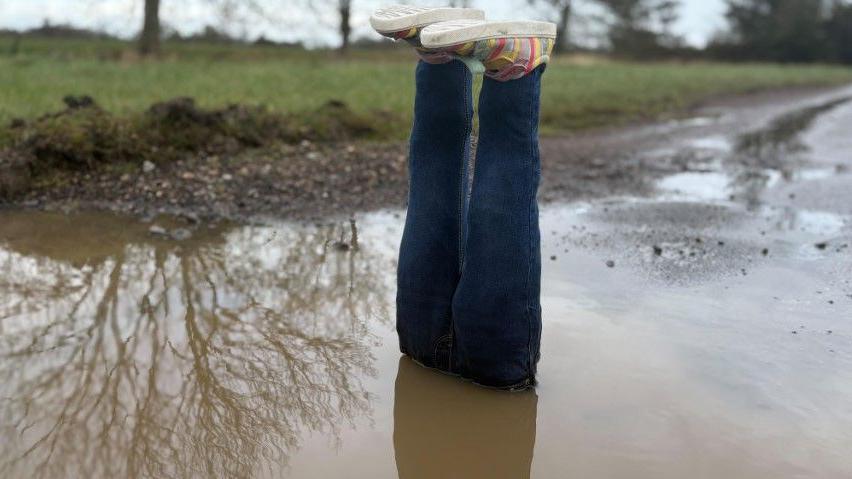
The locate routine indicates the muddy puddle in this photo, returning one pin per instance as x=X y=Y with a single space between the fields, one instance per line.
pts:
x=269 y=351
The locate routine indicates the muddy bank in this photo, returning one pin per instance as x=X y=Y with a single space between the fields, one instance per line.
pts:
x=307 y=180
x=171 y=154
x=294 y=181
x=237 y=163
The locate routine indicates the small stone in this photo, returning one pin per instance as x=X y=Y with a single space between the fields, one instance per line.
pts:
x=553 y=258
x=821 y=246
x=157 y=230
x=765 y=252
x=227 y=177
x=124 y=178
x=342 y=247
x=148 y=167
x=658 y=250
x=181 y=234
x=610 y=264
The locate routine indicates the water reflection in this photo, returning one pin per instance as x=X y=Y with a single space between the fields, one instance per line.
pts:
x=128 y=356
x=446 y=428
x=778 y=147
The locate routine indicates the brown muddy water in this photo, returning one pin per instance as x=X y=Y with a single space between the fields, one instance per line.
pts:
x=703 y=333
x=269 y=351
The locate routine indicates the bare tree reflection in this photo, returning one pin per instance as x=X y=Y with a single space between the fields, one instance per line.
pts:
x=207 y=358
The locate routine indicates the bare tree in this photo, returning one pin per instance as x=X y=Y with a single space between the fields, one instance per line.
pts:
x=344 y=8
x=641 y=28
x=563 y=10
x=344 y=20
x=149 y=39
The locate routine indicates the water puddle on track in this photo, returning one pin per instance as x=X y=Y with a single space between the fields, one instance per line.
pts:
x=269 y=351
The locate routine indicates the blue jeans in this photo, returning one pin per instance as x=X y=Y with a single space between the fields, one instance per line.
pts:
x=470 y=262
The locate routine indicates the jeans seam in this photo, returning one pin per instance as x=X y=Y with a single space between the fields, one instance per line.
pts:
x=531 y=254
x=462 y=193
x=464 y=166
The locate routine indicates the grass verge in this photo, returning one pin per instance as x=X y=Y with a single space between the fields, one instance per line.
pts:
x=575 y=94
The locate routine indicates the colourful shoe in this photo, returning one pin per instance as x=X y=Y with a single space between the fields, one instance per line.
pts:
x=403 y=22
x=504 y=50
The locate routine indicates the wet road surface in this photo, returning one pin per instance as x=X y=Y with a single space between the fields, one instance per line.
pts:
x=702 y=331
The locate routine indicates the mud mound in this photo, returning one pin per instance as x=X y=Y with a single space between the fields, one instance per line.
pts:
x=81 y=136
x=179 y=124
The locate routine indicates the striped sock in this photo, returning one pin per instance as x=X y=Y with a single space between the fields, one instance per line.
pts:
x=508 y=58
x=504 y=59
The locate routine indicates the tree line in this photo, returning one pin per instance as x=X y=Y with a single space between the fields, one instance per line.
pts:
x=787 y=31
x=772 y=30
x=757 y=30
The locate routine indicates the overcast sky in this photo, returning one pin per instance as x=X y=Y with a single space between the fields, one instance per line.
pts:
x=700 y=19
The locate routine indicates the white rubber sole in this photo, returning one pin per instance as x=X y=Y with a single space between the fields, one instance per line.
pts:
x=397 y=18
x=456 y=32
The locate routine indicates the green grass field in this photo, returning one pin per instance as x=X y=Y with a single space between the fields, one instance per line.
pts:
x=36 y=74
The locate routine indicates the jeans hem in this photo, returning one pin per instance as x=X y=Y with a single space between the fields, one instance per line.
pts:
x=525 y=384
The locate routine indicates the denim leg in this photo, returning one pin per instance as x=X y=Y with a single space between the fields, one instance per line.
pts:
x=496 y=308
x=430 y=254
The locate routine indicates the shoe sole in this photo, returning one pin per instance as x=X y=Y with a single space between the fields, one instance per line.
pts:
x=403 y=17
x=446 y=34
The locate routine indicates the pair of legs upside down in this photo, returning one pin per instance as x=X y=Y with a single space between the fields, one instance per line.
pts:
x=470 y=264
